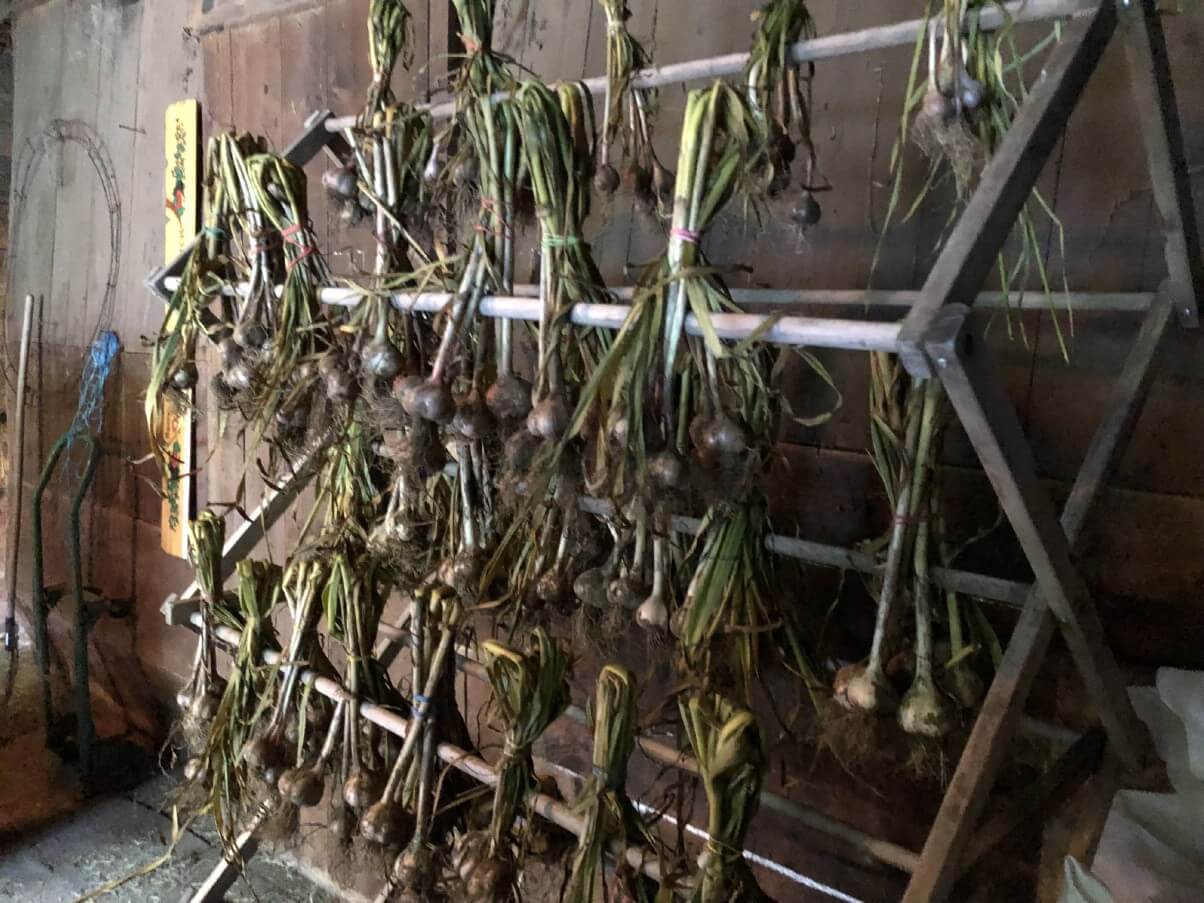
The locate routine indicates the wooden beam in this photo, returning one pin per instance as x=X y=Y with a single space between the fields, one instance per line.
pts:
x=231 y=864
x=1042 y=797
x=1076 y=829
x=1007 y=181
x=275 y=502
x=1158 y=121
x=970 y=788
x=972 y=382
x=964 y=801
x=1124 y=407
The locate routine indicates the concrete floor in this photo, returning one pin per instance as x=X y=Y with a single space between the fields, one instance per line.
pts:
x=123 y=834
x=57 y=845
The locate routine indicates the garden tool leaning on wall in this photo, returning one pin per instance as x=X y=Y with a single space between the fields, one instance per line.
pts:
x=87 y=605
x=17 y=458
x=84 y=615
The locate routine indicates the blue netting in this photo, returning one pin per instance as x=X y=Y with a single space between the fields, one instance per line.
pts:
x=89 y=413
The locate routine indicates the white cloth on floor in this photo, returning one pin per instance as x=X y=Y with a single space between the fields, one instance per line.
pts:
x=1152 y=847
x=1080 y=886
x=1183 y=693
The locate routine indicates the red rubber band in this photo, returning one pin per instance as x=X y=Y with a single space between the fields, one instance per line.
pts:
x=306 y=250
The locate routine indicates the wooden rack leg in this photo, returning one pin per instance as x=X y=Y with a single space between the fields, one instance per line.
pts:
x=230 y=866
x=1158 y=118
x=972 y=382
x=1037 y=801
x=941 y=858
x=1076 y=829
x=276 y=501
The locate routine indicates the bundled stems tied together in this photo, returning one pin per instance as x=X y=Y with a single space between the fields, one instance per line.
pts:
x=352 y=607
x=731 y=761
x=628 y=117
x=530 y=690
x=215 y=767
x=965 y=87
x=608 y=814
x=779 y=94
x=389 y=27
x=727 y=399
x=390 y=820
x=414 y=868
x=907 y=431
x=267 y=751
x=558 y=150
x=200 y=697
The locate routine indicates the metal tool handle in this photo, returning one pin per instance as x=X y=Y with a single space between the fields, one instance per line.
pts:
x=85 y=729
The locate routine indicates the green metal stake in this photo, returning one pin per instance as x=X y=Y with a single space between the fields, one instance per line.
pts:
x=85 y=729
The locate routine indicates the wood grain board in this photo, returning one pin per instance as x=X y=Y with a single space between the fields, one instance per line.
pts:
x=182 y=194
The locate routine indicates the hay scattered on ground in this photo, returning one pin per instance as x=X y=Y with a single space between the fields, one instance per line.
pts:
x=112 y=838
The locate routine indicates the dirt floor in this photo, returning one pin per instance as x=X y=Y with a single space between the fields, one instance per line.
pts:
x=35 y=787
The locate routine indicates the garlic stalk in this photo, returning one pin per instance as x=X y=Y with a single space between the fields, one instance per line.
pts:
x=923 y=710
x=653 y=613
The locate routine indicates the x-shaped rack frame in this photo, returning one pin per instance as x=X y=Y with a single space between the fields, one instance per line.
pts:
x=937 y=340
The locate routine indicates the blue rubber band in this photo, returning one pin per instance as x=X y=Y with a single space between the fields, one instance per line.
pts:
x=420 y=706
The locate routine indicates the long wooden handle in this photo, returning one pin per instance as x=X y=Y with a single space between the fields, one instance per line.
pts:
x=17 y=461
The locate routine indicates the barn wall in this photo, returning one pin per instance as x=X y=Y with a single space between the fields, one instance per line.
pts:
x=91 y=84
x=256 y=68
x=315 y=56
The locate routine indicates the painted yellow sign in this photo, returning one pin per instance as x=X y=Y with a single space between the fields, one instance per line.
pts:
x=182 y=198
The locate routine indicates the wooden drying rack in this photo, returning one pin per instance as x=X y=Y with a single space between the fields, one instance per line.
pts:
x=935 y=338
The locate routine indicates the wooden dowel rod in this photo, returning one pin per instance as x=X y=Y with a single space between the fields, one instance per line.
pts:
x=878 y=37
x=817 y=332
x=904 y=299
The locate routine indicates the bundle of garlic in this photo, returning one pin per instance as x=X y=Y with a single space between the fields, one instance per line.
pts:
x=530 y=691
x=628 y=119
x=610 y=817
x=731 y=761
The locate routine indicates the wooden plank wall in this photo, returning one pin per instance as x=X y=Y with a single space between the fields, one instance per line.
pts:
x=262 y=65
x=86 y=70
x=1096 y=183
x=836 y=493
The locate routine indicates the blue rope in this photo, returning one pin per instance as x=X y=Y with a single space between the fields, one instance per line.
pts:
x=89 y=412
